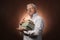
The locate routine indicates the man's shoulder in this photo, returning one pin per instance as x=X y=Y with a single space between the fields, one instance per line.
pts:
x=38 y=17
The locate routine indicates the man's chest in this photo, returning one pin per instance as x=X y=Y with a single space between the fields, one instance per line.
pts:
x=34 y=19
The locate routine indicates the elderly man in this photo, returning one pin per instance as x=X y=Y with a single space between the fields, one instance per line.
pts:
x=36 y=33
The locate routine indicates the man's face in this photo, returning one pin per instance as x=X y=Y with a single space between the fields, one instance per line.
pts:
x=30 y=9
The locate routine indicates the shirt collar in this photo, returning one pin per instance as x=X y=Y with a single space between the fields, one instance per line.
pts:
x=35 y=14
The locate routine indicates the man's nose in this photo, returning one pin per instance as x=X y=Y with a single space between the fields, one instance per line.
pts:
x=29 y=10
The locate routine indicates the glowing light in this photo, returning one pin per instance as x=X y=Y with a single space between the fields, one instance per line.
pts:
x=25 y=17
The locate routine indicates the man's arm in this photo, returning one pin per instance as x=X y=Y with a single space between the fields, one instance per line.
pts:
x=37 y=29
x=20 y=28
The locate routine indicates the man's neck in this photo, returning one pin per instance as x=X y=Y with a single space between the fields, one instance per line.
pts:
x=32 y=15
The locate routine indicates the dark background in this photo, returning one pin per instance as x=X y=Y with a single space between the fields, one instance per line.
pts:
x=11 y=12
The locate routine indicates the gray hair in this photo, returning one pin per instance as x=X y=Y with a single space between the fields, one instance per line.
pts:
x=32 y=5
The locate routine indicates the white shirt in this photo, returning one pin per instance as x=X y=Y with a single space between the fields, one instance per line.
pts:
x=37 y=29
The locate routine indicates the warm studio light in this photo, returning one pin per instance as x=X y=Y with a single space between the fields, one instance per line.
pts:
x=25 y=17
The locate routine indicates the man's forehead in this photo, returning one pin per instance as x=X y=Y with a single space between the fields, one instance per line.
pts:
x=29 y=6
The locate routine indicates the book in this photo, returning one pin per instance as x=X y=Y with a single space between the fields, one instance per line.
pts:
x=29 y=25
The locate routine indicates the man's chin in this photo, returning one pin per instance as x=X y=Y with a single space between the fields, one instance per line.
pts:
x=31 y=14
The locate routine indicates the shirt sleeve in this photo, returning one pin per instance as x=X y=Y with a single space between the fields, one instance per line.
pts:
x=37 y=29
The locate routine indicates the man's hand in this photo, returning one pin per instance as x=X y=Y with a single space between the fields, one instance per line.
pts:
x=21 y=28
